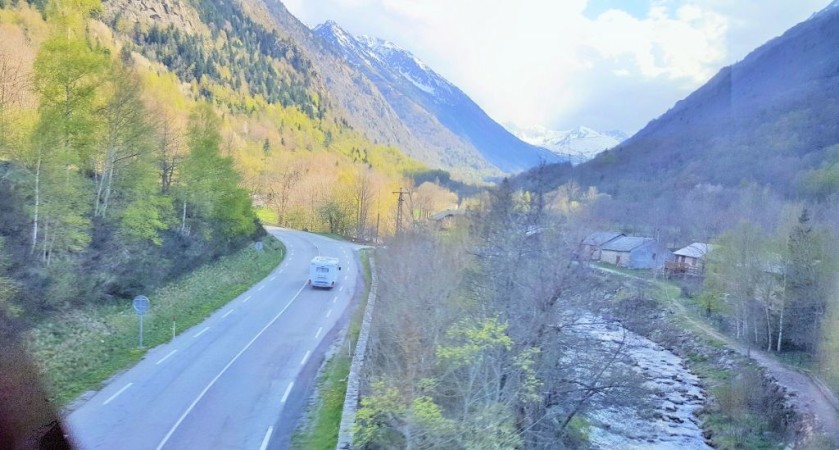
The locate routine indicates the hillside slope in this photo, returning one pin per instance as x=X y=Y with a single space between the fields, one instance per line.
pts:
x=771 y=119
x=360 y=101
x=430 y=105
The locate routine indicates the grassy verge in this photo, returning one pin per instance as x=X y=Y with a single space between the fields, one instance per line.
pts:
x=83 y=348
x=337 y=237
x=323 y=422
x=266 y=215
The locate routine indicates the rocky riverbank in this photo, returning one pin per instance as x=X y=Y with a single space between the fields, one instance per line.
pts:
x=743 y=404
x=666 y=403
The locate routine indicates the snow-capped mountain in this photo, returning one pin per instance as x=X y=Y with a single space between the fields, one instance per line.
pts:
x=578 y=145
x=432 y=106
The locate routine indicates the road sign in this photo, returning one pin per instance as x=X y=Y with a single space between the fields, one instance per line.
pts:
x=141 y=304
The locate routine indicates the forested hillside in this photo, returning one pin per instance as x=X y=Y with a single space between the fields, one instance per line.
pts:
x=770 y=119
x=748 y=164
x=132 y=148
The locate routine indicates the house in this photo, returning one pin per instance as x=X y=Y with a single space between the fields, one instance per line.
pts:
x=635 y=253
x=690 y=259
x=445 y=219
x=590 y=246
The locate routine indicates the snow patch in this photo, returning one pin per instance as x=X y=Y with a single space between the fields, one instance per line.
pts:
x=421 y=86
x=579 y=144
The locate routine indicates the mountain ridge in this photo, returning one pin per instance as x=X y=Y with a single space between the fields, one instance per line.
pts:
x=408 y=83
x=769 y=119
x=579 y=144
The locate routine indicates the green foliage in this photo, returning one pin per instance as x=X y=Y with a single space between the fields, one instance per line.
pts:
x=824 y=180
x=82 y=348
x=211 y=185
x=266 y=215
x=470 y=340
x=143 y=219
x=240 y=54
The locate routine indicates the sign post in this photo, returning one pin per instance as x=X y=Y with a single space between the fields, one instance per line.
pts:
x=141 y=305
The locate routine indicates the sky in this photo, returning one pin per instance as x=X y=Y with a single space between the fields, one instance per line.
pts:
x=558 y=64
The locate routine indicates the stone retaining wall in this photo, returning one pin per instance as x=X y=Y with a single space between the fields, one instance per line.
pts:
x=345 y=434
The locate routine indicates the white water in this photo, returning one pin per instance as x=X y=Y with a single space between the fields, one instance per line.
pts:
x=673 y=392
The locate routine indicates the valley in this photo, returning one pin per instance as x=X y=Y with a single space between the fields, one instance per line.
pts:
x=535 y=288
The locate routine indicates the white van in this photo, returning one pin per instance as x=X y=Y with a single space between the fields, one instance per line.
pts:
x=323 y=272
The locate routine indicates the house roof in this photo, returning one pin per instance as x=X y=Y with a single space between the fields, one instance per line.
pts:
x=447 y=213
x=601 y=237
x=626 y=243
x=695 y=250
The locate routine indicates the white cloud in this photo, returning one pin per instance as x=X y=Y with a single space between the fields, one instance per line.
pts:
x=544 y=62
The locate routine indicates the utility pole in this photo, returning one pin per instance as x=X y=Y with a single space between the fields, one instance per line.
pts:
x=399 y=202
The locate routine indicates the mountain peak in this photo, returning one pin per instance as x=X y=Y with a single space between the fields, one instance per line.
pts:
x=578 y=144
x=432 y=105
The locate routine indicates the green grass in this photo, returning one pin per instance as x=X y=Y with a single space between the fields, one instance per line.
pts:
x=83 y=348
x=266 y=215
x=324 y=421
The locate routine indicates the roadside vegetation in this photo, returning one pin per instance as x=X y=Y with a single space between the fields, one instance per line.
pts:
x=131 y=157
x=320 y=427
x=473 y=343
x=84 y=347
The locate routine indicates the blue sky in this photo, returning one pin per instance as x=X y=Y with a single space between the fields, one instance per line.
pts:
x=606 y=64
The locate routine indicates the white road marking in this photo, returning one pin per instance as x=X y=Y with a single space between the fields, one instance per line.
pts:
x=335 y=299
x=305 y=357
x=329 y=313
x=228 y=313
x=213 y=381
x=166 y=357
x=345 y=277
x=317 y=335
x=273 y=278
x=246 y=299
x=261 y=287
x=287 y=391
x=340 y=288
x=267 y=438
x=202 y=332
x=115 y=395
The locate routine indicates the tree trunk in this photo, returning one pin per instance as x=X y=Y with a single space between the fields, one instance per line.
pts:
x=183 y=220
x=37 y=206
x=768 y=327
x=781 y=328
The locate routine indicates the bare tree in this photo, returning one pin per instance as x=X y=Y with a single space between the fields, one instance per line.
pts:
x=363 y=199
x=13 y=84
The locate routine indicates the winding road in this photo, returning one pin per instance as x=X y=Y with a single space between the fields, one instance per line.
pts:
x=241 y=378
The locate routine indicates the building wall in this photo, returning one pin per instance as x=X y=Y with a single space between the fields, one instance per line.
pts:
x=615 y=258
x=651 y=255
x=591 y=252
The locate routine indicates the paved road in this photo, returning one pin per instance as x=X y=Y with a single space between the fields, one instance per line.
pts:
x=239 y=379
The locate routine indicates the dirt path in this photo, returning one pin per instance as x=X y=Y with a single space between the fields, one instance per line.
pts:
x=811 y=397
